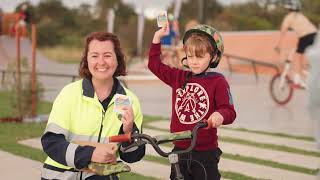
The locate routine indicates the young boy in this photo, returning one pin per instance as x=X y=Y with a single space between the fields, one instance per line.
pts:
x=198 y=94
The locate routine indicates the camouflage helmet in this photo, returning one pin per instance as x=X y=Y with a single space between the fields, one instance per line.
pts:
x=215 y=39
x=294 y=5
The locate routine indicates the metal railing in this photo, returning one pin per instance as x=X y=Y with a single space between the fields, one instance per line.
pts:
x=229 y=57
x=254 y=64
x=6 y=72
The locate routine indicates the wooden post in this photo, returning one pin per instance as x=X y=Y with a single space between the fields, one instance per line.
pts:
x=18 y=70
x=33 y=73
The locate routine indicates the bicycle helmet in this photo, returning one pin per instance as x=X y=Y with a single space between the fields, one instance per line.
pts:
x=294 y=5
x=215 y=39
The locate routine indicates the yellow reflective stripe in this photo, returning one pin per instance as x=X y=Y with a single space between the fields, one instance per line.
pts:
x=51 y=162
x=55 y=128
x=71 y=150
x=52 y=127
x=51 y=174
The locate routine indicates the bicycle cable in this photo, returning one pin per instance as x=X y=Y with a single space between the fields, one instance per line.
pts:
x=204 y=169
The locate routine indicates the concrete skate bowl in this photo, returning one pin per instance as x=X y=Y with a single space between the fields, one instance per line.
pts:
x=243 y=48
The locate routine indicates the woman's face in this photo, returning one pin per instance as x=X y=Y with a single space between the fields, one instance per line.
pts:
x=102 y=60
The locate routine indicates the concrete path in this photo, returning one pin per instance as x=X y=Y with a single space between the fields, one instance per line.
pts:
x=16 y=167
x=250 y=169
x=260 y=171
x=254 y=137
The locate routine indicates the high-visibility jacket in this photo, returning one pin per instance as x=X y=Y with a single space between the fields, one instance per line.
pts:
x=77 y=114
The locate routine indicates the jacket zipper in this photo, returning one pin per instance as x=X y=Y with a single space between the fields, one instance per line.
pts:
x=101 y=125
x=99 y=137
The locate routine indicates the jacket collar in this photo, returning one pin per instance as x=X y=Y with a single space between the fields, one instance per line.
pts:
x=88 y=89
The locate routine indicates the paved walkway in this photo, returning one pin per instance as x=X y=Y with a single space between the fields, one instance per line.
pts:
x=250 y=169
x=15 y=167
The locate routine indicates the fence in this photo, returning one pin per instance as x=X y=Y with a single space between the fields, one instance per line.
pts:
x=254 y=64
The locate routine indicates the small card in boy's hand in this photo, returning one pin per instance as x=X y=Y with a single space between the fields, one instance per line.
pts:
x=120 y=102
x=162 y=19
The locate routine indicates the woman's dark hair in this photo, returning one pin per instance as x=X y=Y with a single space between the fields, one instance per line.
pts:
x=103 y=36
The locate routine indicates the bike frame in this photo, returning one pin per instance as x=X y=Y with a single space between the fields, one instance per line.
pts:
x=281 y=86
x=287 y=69
x=142 y=139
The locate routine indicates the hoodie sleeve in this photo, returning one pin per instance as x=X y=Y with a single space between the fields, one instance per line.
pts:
x=162 y=71
x=224 y=102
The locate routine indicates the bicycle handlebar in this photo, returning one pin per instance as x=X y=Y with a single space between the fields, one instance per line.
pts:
x=142 y=139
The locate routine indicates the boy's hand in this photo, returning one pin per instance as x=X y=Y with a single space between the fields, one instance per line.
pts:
x=164 y=31
x=216 y=120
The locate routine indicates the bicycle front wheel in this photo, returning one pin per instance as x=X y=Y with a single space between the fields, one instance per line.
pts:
x=281 y=90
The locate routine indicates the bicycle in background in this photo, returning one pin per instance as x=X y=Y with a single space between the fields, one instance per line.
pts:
x=282 y=85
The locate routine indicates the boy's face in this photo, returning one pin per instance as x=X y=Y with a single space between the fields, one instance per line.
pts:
x=198 y=64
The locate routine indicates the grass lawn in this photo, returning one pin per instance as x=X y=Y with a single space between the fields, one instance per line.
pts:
x=61 y=54
x=7 y=106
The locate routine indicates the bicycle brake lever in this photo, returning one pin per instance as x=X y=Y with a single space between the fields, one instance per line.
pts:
x=136 y=144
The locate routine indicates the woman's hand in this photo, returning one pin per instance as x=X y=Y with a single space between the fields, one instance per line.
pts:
x=164 y=31
x=105 y=153
x=216 y=120
x=127 y=119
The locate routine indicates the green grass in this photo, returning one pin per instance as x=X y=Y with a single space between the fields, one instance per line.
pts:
x=255 y=144
x=271 y=164
x=271 y=146
x=7 y=106
x=305 y=138
x=149 y=119
x=134 y=176
x=62 y=54
x=262 y=161
x=11 y=133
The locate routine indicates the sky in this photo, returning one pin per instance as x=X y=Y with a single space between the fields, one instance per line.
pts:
x=151 y=6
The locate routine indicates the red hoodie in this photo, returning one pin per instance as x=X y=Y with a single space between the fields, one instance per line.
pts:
x=203 y=94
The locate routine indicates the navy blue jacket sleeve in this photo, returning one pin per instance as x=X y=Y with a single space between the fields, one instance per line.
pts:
x=55 y=146
x=134 y=155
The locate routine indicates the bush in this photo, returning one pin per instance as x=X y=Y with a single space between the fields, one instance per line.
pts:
x=49 y=33
x=25 y=94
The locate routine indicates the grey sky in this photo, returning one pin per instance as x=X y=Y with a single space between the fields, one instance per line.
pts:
x=152 y=6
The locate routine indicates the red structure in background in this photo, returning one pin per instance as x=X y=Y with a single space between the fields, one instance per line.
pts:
x=15 y=25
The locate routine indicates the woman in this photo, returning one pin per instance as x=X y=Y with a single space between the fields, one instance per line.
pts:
x=83 y=111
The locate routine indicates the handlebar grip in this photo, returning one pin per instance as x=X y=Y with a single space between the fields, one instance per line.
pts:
x=120 y=138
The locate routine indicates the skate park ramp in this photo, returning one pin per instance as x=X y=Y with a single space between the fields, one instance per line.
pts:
x=258 y=45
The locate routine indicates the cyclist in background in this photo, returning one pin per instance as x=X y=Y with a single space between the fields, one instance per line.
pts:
x=306 y=32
